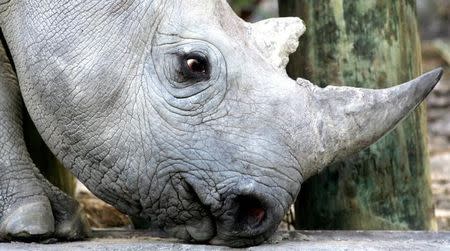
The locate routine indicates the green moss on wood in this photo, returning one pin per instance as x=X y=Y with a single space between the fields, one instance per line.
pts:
x=371 y=44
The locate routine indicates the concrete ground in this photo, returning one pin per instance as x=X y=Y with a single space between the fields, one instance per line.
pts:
x=299 y=240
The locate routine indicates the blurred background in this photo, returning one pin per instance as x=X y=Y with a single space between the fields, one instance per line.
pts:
x=434 y=22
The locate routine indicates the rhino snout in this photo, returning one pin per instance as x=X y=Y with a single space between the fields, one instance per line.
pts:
x=247 y=215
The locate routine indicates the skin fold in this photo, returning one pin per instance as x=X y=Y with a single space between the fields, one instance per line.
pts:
x=177 y=112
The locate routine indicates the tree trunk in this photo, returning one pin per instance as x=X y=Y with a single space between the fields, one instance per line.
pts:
x=50 y=167
x=371 y=44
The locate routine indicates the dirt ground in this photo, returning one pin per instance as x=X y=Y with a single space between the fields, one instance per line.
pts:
x=98 y=213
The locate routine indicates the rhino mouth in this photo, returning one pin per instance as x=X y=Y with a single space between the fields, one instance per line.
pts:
x=204 y=229
x=241 y=220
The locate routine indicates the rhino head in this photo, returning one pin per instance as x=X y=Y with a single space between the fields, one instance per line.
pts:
x=182 y=113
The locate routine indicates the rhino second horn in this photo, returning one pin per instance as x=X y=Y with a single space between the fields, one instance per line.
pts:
x=277 y=38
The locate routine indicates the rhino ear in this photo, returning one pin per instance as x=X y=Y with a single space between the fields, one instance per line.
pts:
x=277 y=38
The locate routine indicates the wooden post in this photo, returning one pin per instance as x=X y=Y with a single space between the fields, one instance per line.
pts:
x=371 y=44
x=47 y=163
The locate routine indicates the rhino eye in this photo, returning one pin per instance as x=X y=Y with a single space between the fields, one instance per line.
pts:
x=194 y=67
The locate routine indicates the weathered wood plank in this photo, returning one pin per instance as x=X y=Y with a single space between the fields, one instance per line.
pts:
x=372 y=44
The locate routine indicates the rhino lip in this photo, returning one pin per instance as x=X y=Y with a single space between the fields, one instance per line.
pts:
x=205 y=229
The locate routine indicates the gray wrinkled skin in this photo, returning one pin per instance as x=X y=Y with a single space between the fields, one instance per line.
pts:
x=216 y=159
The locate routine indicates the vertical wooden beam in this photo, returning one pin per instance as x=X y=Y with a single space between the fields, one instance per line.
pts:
x=371 y=44
x=50 y=167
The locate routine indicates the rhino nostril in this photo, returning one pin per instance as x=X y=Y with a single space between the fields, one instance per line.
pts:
x=250 y=212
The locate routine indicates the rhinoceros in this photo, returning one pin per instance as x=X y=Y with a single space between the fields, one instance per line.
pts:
x=177 y=112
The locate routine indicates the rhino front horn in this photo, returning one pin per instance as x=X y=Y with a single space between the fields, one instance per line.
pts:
x=351 y=118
